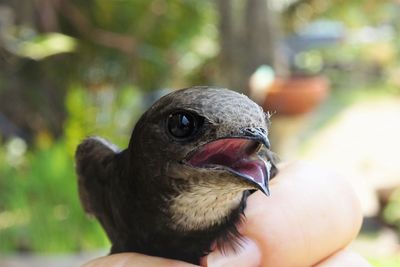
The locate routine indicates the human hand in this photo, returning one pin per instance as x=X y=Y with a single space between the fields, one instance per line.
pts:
x=310 y=218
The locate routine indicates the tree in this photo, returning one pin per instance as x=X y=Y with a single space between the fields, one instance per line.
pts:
x=249 y=37
x=117 y=43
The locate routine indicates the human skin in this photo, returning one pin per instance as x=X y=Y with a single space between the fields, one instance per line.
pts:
x=312 y=215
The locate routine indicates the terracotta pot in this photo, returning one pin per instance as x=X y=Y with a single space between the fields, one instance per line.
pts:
x=296 y=95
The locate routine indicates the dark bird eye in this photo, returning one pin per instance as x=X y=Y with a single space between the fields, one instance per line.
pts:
x=183 y=124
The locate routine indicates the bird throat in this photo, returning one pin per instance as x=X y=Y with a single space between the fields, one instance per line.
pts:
x=204 y=206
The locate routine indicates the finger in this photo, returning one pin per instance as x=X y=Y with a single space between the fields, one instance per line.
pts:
x=248 y=255
x=134 y=260
x=344 y=258
x=311 y=214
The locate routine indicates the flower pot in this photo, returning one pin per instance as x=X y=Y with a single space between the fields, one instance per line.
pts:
x=296 y=95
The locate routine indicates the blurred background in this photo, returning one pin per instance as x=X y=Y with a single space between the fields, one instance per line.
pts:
x=328 y=71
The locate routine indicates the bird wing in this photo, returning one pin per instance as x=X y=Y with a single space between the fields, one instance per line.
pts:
x=95 y=165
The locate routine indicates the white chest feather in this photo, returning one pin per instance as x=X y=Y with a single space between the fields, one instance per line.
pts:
x=203 y=206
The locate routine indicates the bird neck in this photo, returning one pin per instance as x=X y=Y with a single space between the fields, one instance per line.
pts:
x=203 y=206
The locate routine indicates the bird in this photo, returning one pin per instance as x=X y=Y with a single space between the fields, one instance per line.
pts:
x=180 y=187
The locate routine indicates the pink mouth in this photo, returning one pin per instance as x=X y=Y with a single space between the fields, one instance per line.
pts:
x=238 y=155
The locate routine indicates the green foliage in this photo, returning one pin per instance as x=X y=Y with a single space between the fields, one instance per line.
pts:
x=352 y=13
x=392 y=261
x=39 y=204
x=368 y=51
x=42 y=46
x=106 y=112
x=148 y=40
x=391 y=213
x=153 y=44
x=40 y=210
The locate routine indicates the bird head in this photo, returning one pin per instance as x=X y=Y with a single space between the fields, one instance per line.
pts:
x=203 y=144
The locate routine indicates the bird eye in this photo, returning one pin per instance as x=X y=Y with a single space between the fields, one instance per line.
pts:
x=183 y=124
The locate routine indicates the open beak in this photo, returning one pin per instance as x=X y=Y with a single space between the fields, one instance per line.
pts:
x=238 y=155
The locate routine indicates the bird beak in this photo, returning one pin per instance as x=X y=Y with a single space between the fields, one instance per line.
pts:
x=260 y=135
x=264 y=187
x=238 y=154
x=257 y=134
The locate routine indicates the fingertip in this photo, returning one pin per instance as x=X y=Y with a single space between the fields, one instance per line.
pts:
x=248 y=255
x=135 y=260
